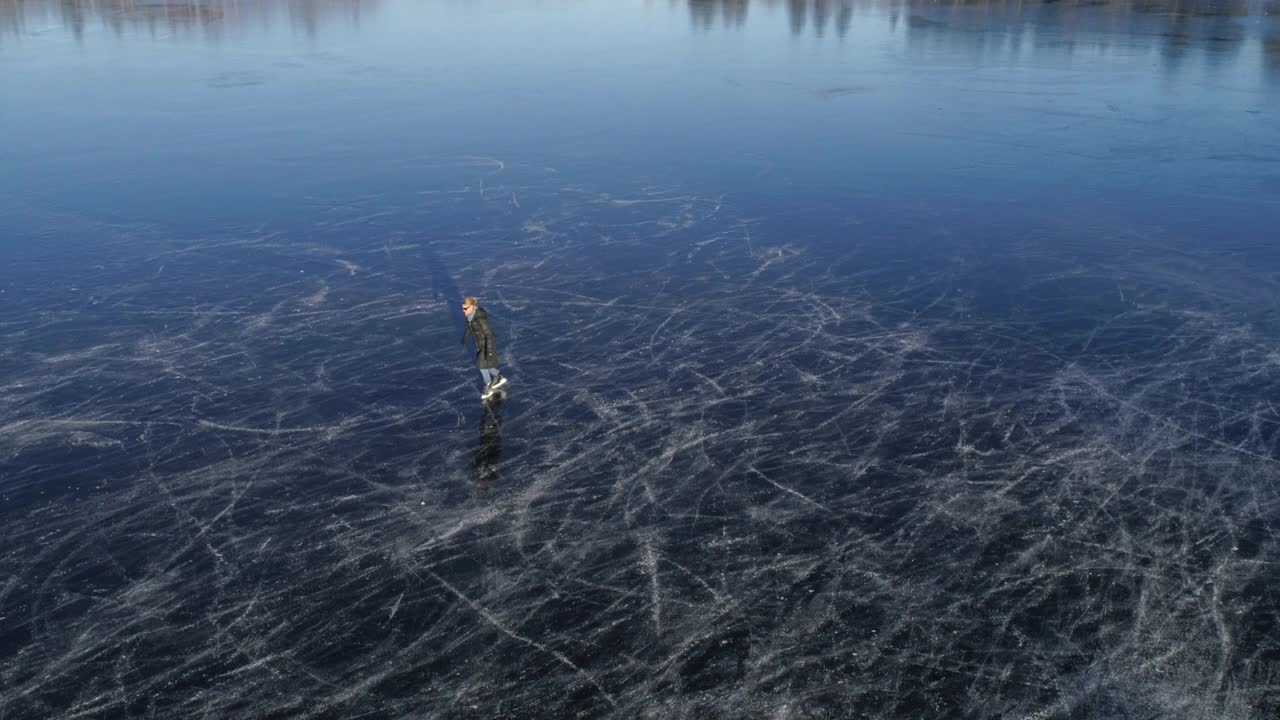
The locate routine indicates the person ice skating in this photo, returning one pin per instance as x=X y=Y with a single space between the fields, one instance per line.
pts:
x=486 y=347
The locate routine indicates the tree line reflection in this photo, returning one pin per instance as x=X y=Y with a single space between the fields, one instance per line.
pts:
x=212 y=17
x=1219 y=27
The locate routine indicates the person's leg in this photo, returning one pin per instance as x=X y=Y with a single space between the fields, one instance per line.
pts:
x=498 y=380
x=488 y=374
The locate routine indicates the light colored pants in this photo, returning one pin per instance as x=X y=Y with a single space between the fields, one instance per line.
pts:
x=489 y=375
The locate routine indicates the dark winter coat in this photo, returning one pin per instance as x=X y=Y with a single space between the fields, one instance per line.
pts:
x=486 y=347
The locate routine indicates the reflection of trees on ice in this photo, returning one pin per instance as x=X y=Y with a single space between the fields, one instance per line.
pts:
x=215 y=20
x=1216 y=29
x=745 y=472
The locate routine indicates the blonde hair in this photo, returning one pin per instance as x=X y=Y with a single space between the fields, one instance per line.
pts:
x=470 y=300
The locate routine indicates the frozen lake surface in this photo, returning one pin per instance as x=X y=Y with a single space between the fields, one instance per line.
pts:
x=868 y=359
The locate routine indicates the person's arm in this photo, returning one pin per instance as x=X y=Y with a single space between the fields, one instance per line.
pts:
x=466 y=330
x=484 y=339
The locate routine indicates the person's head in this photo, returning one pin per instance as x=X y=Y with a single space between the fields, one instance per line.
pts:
x=469 y=304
